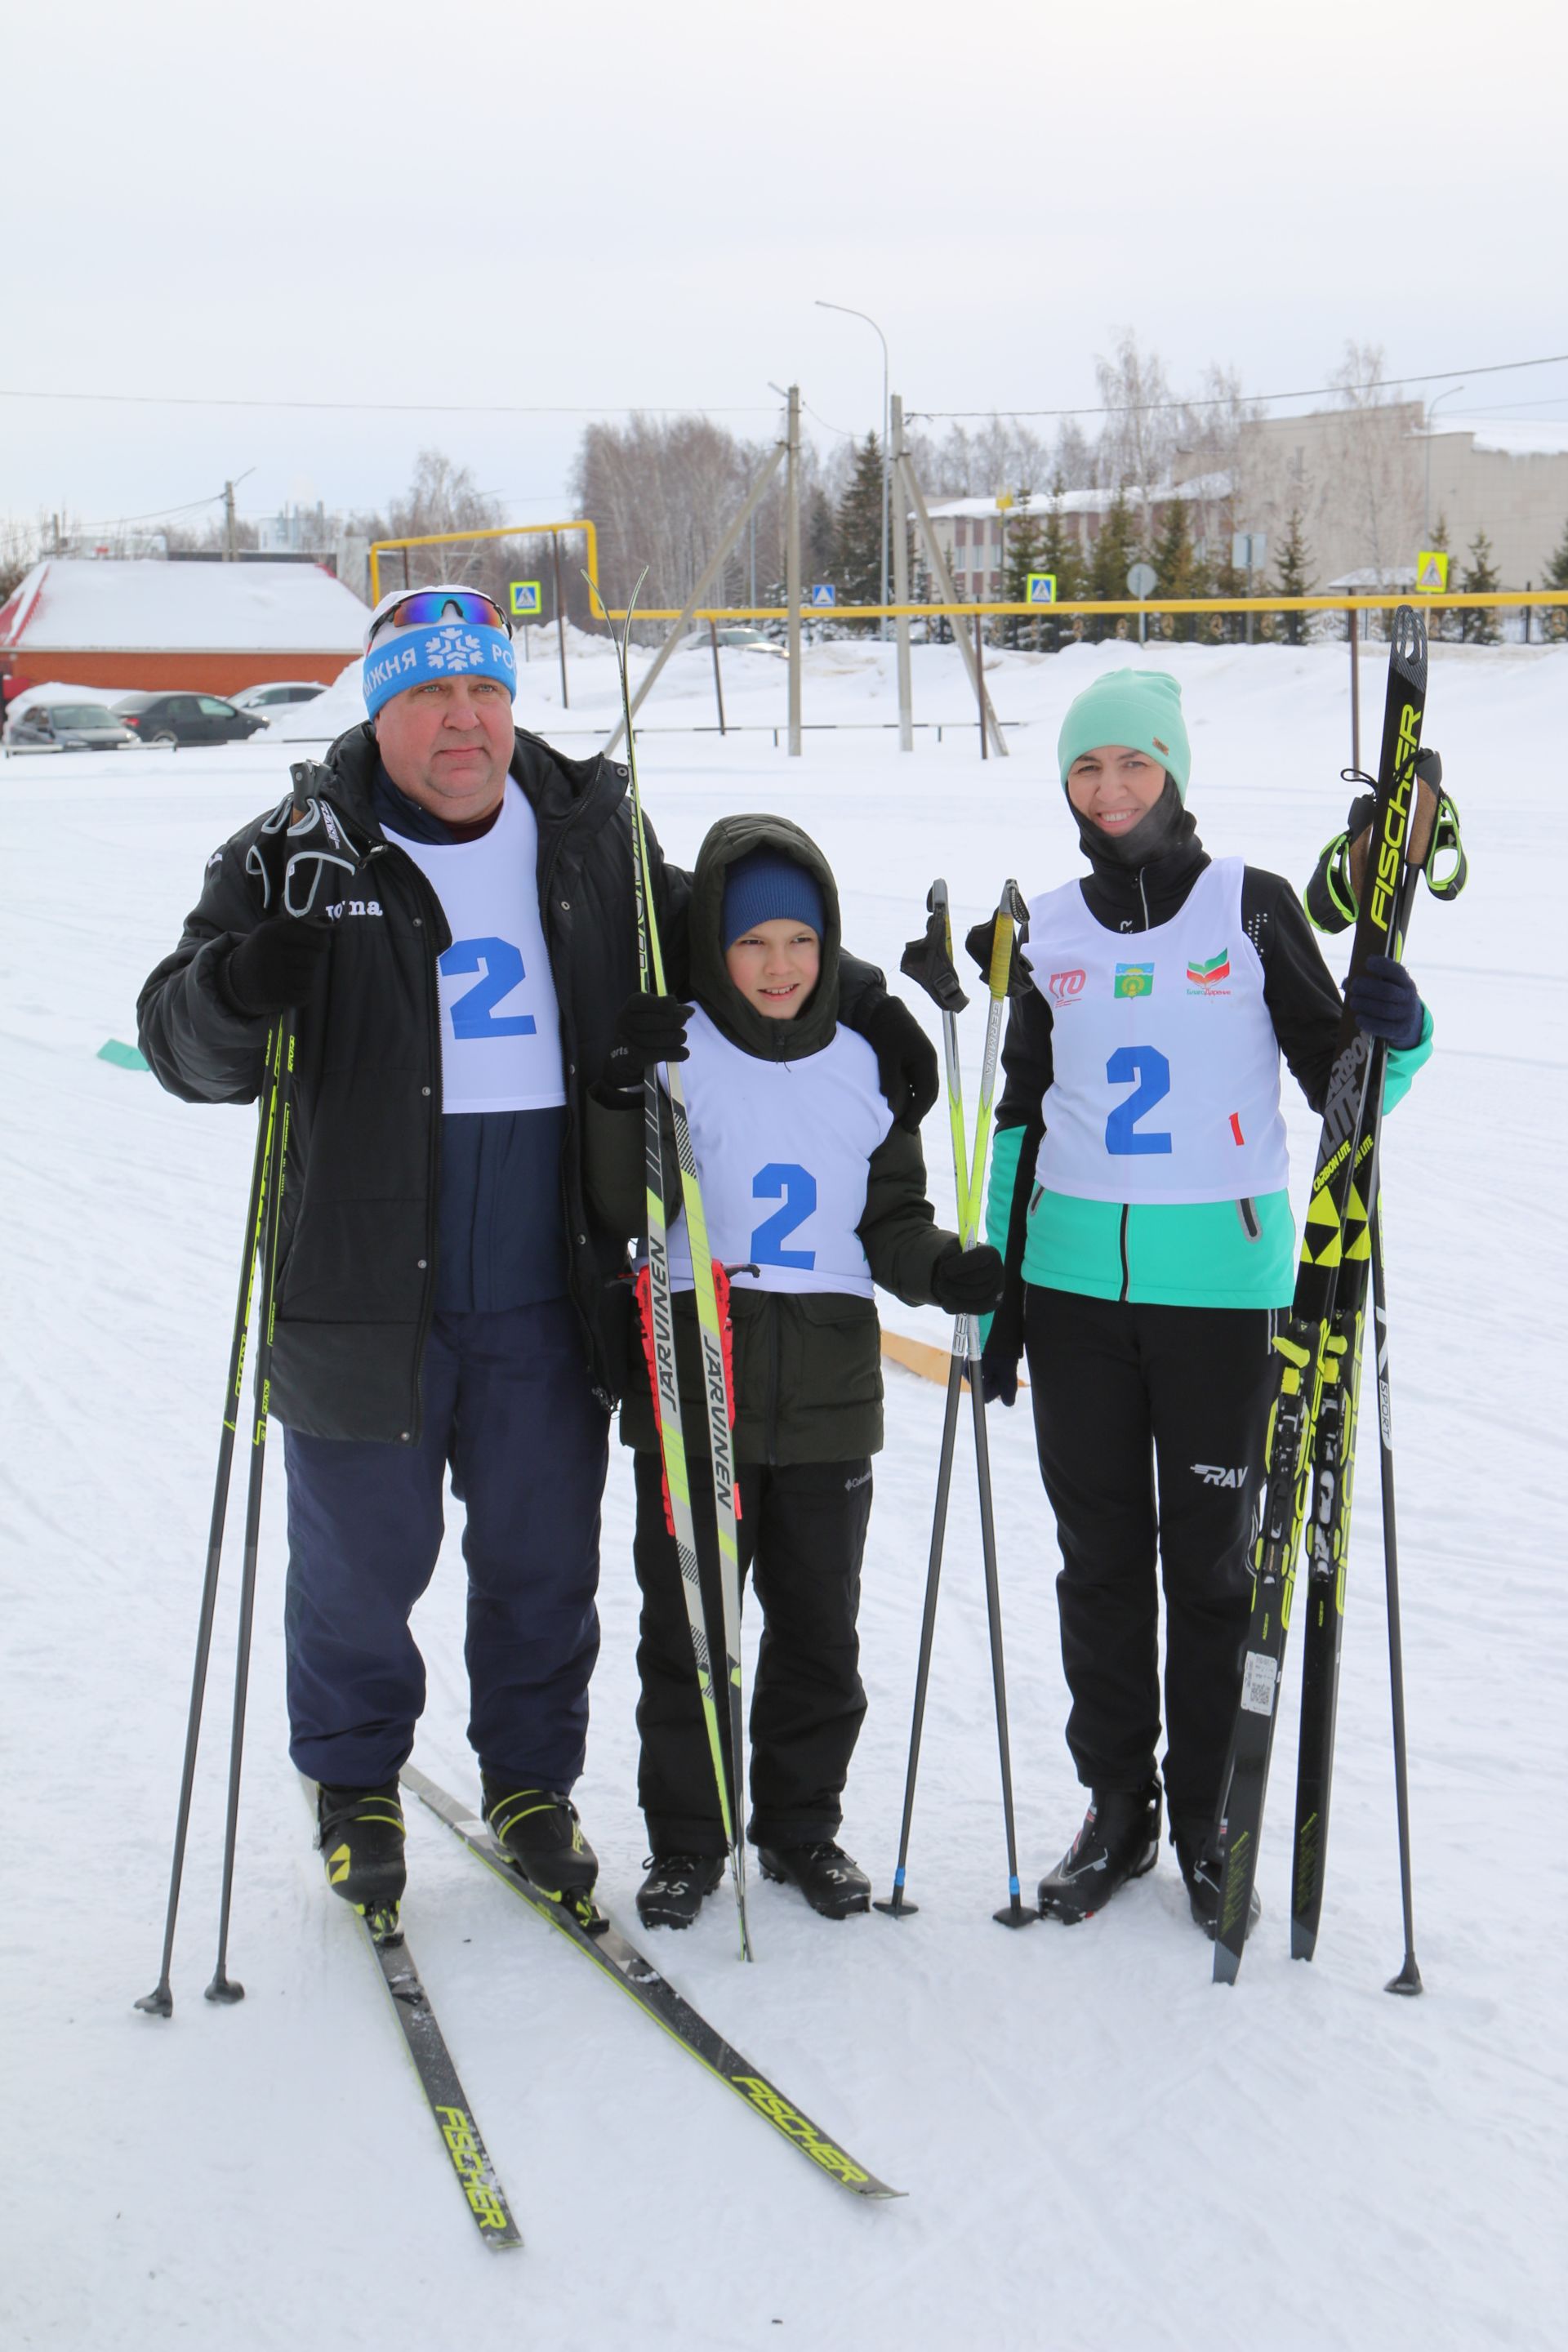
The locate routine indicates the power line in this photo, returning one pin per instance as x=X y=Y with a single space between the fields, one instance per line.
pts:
x=1263 y=399
x=378 y=407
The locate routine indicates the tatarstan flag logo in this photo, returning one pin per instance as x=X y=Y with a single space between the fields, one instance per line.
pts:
x=1210 y=975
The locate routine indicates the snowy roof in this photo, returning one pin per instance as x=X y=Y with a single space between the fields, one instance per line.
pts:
x=1202 y=486
x=1510 y=436
x=73 y=606
x=1369 y=580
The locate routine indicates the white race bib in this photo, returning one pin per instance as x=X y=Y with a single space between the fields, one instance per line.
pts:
x=782 y=1150
x=1166 y=1084
x=501 y=1025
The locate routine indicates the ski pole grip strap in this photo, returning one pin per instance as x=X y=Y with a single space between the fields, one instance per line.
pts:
x=1447 y=844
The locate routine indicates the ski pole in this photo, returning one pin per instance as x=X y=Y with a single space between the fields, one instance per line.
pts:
x=224 y=1988
x=160 y=2001
x=1408 y=1980
x=1009 y=912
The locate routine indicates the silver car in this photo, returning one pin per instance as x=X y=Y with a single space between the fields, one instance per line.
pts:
x=68 y=727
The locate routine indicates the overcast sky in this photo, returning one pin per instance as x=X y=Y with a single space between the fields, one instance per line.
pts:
x=595 y=208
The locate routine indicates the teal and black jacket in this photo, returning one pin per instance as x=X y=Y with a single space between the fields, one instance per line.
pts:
x=1213 y=1253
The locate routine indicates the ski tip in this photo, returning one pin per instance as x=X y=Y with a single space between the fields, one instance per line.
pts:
x=1226 y=1964
x=1303 y=1941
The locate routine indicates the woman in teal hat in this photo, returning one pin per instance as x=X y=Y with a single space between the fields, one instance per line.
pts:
x=1139 y=1193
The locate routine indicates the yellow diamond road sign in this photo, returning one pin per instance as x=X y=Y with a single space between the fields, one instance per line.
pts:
x=1432 y=571
x=1041 y=588
x=527 y=601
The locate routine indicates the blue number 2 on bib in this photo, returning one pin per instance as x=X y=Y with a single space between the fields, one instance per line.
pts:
x=501 y=965
x=797 y=1187
x=1152 y=1072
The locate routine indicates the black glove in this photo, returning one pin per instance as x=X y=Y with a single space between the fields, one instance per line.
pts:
x=302 y=859
x=981 y=944
x=906 y=1062
x=998 y=1372
x=276 y=966
x=648 y=1030
x=1387 y=1002
x=967 y=1282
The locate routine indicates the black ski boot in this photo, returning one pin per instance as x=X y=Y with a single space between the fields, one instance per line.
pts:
x=1204 y=1869
x=360 y=1833
x=542 y=1833
x=671 y=1894
x=831 y=1882
x=1120 y=1839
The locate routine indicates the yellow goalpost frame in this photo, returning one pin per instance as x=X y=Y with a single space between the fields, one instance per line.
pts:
x=380 y=547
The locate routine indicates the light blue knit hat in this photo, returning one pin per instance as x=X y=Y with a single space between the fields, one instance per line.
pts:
x=1140 y=707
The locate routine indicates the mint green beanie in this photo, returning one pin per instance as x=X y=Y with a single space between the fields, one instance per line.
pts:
x=1140 y=707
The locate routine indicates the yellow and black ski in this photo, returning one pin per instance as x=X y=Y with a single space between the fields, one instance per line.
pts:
x=1311 y=1441
x=593 y=1934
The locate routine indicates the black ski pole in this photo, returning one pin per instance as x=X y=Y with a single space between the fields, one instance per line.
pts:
x=223 y=1988
x=897 y=1908
x=1013 y=1914
x=160 y=2001
x=1408 y=1980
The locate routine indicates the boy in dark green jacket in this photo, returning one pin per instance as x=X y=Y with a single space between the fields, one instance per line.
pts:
x=812 y=1194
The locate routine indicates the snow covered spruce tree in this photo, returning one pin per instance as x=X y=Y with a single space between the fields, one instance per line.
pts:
x=1478 y=623
x=1292 y=578
x=1113 y=554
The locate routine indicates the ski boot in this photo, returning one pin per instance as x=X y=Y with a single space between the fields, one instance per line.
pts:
x=1202 y=1869
x=542 y=1835
x=671 y=1894
x=1120 y=1839
x=360 y=1834
x=831 y=1882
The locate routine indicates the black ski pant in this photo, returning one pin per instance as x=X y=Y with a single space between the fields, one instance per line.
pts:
x=1150 y=1423
x=802 y=1535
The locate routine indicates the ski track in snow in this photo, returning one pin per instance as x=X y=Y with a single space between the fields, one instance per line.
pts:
x=1100 y=2147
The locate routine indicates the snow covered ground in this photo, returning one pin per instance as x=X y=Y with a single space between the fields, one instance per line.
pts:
x=1100 y=2147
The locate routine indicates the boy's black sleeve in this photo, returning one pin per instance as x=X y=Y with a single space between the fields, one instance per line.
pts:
x=898 y=1229
x=1304 y=1004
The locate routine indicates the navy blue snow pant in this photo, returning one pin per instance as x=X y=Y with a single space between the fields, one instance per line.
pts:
x=506 y=1401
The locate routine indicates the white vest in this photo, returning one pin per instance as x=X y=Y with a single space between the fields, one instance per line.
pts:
x=782 y=1148
x=1166 y=1084
x=501 y=1025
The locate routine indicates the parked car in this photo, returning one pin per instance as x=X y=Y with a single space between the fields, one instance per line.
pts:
x=276 y=690
x=733 y=637
x=68 y=727
x=187 y=718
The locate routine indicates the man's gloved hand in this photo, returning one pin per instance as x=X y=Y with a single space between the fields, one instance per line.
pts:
x=648 y=1030
x=301 y=859
x=906 y=1062
x=967 y=1282
x=1387 y=1002
x=276 y=966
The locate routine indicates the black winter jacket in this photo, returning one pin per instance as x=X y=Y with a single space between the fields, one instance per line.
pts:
x=356 y=1276
x=807 y=1364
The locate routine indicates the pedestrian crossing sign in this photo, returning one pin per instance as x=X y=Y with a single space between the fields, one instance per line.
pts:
x=1431 y=572
x=1041 y=588
x=527 y=601
x=824 y=592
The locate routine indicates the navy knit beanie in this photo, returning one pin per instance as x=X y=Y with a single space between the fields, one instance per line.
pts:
x=765 y=886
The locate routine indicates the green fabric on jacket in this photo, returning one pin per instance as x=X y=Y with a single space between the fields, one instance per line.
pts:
x=809 y=1366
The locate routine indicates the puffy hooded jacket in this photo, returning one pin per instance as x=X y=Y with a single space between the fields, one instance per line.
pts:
x=808 y=1368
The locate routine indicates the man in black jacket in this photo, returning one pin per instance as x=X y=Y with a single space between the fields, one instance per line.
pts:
x=444 y=1293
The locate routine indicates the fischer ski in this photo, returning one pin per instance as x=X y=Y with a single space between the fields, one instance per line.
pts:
x=594 y=1935
x=465 y=2150
x=1309 y=1448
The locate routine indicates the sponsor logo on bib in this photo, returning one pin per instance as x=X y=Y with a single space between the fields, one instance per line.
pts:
x=1134 y=980
x=1064 y=986
x=1207 y=979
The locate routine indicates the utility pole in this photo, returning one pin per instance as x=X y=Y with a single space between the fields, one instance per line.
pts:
x=230 y=544
x=901 y=583
x=791 y=567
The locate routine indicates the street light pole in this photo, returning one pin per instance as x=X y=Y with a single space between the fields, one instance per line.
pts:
x=881 y=337
x=1432 y=407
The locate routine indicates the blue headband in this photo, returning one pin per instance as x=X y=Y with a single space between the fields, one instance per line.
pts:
x=406 y=658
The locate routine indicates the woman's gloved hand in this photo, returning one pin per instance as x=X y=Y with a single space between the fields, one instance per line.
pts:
x=1387 y=1002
